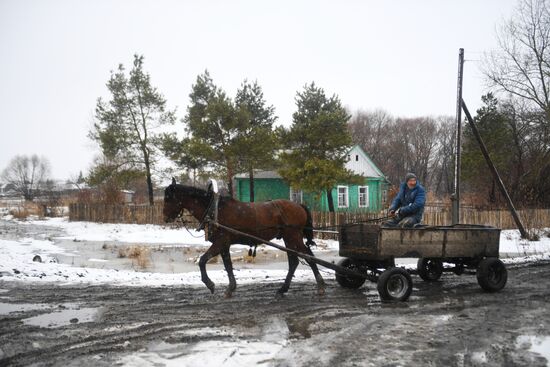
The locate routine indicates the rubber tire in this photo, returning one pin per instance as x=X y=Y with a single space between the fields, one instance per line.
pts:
x=386 y=280
x=429 y=275
x=347 y=281
x=491 y=274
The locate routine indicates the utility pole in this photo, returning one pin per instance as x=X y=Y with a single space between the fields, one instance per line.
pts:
x=456 y=194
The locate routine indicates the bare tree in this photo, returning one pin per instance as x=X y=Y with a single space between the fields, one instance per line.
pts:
x=521 y=69
x=443 y=164
x=400 y=145
x=369 y=129
x=521 y=66
x=27 y=174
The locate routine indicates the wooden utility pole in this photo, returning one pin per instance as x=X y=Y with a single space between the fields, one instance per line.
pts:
x=494 y=171
x=456 y=194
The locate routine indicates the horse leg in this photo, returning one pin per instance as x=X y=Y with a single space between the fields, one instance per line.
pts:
x=226 y=257
x=318 y=278
x=292 y=265
x=296 y=241
x=213 y=251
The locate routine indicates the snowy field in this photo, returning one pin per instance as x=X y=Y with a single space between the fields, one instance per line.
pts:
x=18 y=251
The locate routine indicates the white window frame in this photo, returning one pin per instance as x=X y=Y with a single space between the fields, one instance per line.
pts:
x=346 y=196
x=366 y=194
x=294 y=193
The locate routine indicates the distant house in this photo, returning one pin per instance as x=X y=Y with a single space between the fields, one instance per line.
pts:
x=8 y=190
x=127 y=196
x=369 y=196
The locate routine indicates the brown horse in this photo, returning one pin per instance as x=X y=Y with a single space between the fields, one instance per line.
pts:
x=278 y=218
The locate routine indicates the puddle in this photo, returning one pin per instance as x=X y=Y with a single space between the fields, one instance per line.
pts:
x=65 y=317
x=536 y=344
x=7 y=308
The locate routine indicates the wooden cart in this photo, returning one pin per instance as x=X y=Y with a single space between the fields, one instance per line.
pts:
x=465 y=249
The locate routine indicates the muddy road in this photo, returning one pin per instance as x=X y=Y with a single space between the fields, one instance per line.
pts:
x=447 y=323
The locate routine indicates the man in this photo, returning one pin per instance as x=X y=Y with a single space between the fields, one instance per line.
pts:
x=407 y=208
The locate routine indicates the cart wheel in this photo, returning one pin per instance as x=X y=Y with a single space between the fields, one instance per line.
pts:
x=395 y=284
x=347 y=281
x=491 y=274
x=429 y=270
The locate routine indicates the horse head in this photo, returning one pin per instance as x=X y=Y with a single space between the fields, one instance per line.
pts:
x=179 y=197
x=172 y=205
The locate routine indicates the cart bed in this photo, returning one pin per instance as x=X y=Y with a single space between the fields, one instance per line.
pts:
x=372 y=242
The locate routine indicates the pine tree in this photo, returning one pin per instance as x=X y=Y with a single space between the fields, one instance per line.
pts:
x=126 y=126
x=186 y=153
x=317 y=142
x=214 y=126
x=257 y=139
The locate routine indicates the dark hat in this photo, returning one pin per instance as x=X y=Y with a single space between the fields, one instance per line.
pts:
x=410 y=175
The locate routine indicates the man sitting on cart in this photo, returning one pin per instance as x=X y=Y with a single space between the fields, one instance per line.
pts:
x=407 y=208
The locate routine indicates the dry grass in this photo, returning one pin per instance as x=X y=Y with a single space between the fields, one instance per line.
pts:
x=139 y=254
x=26 y=209
x=249 y=259
x=20 y=213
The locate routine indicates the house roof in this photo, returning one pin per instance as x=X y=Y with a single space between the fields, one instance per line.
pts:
x=260 y=174
x=370 y=163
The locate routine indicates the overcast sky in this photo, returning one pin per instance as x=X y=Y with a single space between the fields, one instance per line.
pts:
x=401 y=56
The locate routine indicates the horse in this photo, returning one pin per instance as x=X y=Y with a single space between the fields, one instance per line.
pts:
x=267 y=220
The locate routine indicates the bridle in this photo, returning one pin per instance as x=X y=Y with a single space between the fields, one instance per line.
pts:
x=205 y=218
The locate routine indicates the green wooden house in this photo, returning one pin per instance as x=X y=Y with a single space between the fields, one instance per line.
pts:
x=370 y=196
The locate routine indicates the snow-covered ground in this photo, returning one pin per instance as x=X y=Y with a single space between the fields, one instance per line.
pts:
x=16 y=255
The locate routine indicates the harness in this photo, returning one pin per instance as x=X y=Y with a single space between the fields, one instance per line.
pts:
x=211 y=212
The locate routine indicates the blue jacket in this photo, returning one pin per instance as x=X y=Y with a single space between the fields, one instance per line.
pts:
x=410 y=201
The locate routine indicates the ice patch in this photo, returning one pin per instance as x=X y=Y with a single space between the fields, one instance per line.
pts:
x=479 y=357
x=209 y=353
x=536 y=344
x=276 y=331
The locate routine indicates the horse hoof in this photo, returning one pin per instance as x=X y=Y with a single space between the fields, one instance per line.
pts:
x=228 y=294
x=211 y=286
x=281 y=292
x=321 y=291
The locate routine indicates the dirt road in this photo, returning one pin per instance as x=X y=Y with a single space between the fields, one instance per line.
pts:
x=448 y=323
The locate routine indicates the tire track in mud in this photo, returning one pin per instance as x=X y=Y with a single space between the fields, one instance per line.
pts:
x=444 y=323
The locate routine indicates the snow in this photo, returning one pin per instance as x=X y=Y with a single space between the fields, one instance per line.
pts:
x=132 y=233
x=512 y=243
x=16 y=264
x=232 y=350
x=16 y=255
x=535 y=343
x=144 y=234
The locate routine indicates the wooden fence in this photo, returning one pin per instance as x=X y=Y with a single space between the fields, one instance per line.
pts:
x=146 y=214
x=103 y=213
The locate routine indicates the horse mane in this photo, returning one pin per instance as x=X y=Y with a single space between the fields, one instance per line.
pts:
x=198 y=193
x=191 y=191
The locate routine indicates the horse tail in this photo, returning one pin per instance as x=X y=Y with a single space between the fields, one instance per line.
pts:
x=308 y=229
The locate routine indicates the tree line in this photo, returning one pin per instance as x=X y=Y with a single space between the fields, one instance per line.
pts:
x=219 y=136
x=223 y=134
